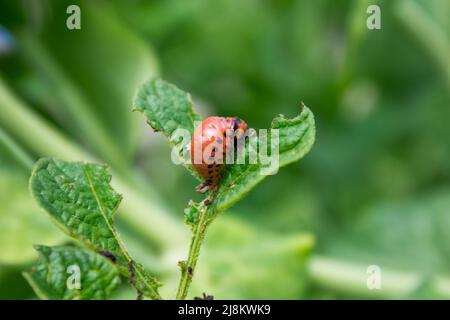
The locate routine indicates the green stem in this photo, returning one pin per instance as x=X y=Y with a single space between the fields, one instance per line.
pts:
x=188 y=267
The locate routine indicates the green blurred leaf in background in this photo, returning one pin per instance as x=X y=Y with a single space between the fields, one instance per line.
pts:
x=381 y=157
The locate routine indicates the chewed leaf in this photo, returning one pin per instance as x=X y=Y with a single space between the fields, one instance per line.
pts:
x=167 y=109
x=69 y=273
x=296 y=137
x=191 y=214
x=80 y=200
x=82 y=203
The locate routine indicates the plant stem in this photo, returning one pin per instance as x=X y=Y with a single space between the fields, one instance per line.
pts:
x=187 y=268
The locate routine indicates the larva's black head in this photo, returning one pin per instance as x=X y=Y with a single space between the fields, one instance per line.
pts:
x=236 y=123
x=237 y=126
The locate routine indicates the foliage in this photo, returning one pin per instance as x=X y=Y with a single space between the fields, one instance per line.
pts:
x=99 y=277
x=82 y=203
x=167 y=109
x=379 y=97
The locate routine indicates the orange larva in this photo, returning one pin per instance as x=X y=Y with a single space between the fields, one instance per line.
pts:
x=209 y=145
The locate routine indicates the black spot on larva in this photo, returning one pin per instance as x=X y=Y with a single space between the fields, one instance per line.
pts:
x=210 y=165
x=210 y=171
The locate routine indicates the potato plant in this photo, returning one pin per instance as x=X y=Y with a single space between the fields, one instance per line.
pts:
x=80 y=200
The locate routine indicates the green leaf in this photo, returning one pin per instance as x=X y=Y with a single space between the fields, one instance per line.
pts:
x=296 y=137
x=192 y=212
x=79 y=198
x=55 y=274
x=82 y=203
x=168 y=108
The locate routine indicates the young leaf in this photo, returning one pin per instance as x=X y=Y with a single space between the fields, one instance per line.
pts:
x=296 y=137
x=68 y=273
x=168 y=108
x=82 y=203
x=191 y=213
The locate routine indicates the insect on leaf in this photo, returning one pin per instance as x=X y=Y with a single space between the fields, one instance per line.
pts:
x=296 y=137
x=168 y=108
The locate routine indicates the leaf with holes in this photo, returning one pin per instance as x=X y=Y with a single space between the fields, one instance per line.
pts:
x=168 y=108
x=296 y=137
x=82 y=203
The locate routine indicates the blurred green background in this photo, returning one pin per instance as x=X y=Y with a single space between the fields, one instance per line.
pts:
x=375 y=189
